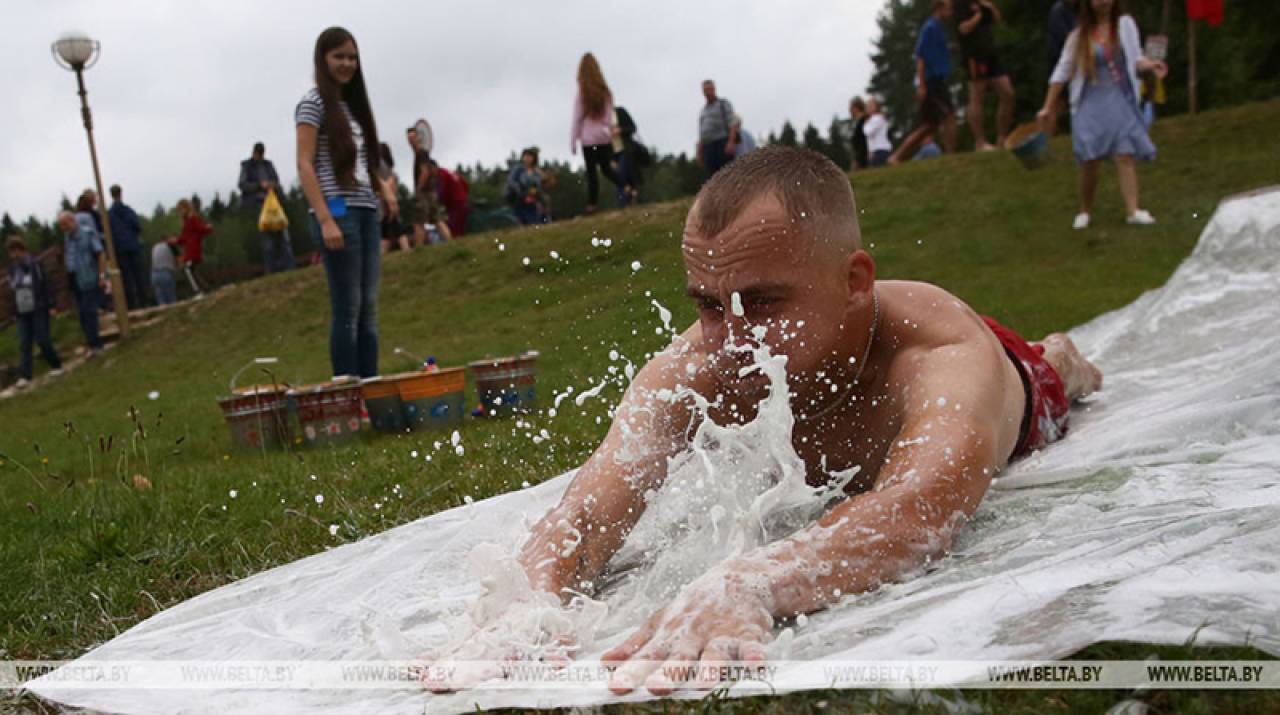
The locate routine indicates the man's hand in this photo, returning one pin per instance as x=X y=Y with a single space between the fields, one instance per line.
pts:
x=723 y=616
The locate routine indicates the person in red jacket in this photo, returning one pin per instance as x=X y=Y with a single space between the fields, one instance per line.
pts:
x=194 y=231
x=454 y=194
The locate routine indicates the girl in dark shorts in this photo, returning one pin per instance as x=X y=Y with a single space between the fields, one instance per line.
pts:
x=395 y=234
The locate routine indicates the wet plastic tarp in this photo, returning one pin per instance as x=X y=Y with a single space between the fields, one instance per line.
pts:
x=1157 y=519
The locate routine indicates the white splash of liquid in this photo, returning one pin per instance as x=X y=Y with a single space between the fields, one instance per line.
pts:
x=736 y=488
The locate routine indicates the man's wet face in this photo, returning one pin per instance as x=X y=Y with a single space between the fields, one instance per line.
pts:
x=765 y=279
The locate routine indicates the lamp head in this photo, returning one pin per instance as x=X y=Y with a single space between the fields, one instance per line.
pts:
x=75 y=50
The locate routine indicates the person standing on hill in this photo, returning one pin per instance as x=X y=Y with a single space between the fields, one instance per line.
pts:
x=164 y=270
x=395 y=235
x=125 y=228
x=933 y=69
x=258 y=177
x=87 y=270
x=718 y=127
x=194 y=231
x=592 y=128
x=975 y=22
x=338 y=168
x=876 y=128
x=1100 y=63
x=524 y=189
x=1062 y=20
x=858 y=114
x=32 y=297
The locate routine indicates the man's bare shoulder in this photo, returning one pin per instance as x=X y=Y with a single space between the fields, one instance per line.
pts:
x=945 y=355
x=920 y=316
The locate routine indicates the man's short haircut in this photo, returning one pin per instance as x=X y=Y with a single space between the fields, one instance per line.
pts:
x=857 y=102
x=937 y=4
x=259 y=148
x=810 y=187
x=115 y=191
x=15 y=242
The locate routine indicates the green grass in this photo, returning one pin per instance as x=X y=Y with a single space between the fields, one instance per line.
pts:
x=85 y=556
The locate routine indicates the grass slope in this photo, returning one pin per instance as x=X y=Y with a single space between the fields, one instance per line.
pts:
x=85 y=556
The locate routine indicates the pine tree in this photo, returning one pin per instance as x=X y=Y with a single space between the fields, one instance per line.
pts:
x=788 y=135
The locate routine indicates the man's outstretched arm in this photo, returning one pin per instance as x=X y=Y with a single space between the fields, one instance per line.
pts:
x=937 y=471
x=572 y=543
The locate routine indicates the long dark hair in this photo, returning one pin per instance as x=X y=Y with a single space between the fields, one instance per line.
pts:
x=1088 y=21
x=342 y=148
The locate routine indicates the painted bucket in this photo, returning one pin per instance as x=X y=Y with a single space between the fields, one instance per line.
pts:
x=382 y=400
x=328 y=413
x=257 y=417
x=1029 y=144
x=507 y=385
x=433 y=399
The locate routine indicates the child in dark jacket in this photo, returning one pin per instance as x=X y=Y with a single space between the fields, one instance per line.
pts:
x=33 y=297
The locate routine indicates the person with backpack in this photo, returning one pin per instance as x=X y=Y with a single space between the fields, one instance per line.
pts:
x=592 y=127
x=33 y=298
x=630 y=154
x=87 y=272
x=718 y=130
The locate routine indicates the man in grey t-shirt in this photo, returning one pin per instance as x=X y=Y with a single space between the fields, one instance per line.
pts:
x=257 y=177
x=718 y=128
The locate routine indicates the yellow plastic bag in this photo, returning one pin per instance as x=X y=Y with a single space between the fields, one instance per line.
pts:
x=272 y=218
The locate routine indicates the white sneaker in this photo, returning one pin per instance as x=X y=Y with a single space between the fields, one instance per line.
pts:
x=22 y=383
x=1140 y=218
x=1081 y=221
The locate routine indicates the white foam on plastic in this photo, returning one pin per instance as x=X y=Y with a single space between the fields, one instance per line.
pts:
x=1155 y=519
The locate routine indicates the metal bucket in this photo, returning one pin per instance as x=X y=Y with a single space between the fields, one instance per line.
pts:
x=382 y=400
x=328 y=413
x=257 y=417
x=507 y=385
x=434 y=399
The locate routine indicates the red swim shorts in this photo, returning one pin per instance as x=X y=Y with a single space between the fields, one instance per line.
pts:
x=1044 y=419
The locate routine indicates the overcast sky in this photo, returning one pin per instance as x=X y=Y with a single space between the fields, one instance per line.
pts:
x=184 y=87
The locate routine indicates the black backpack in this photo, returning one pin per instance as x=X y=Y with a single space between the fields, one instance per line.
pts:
x=626 y=124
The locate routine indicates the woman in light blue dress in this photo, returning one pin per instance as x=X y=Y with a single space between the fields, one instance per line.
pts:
x=1100 y=62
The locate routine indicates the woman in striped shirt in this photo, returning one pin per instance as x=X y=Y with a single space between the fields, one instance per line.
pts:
x=337 y=166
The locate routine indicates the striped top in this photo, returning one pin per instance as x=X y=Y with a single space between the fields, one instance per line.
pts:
x=310 y=111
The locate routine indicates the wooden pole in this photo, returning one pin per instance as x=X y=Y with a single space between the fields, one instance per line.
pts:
x=1191 y=65
x=113 y=269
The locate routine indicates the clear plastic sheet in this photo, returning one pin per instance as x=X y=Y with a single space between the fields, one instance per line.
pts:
x=1156 y=520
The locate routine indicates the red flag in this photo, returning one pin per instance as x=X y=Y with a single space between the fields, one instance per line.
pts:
x=1210 y=10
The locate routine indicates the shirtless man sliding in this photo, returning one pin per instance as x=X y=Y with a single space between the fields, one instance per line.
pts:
x=900 y=379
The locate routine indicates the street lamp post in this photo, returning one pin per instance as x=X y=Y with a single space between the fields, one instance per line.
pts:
x=77 y=52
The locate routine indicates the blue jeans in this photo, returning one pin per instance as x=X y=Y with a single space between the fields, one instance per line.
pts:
x=166 y=289
x=33 y=327
x=353 y=272
x=130 y=264
x=277 y=253
x=87 y=303
x=714 y=156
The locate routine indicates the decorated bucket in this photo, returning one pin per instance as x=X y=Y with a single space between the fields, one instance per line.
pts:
x=506 y=385
x=432 y=399
x=328 y=413
x=382 y=400
x=257 y=417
